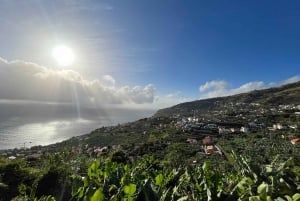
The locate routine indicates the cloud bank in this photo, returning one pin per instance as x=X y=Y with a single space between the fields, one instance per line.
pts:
x=218 y=88
x=66 y=93
x=31 y=82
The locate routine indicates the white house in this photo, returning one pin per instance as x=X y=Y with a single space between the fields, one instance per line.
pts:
x=244 y=129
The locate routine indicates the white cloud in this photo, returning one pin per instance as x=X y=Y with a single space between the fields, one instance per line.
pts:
x=28 y=81
x=292 y=79
x=217 y=88
x=161 y=101
x=215 y=84
x=108 y=80
x=250 y=86
x=171 y=99
x=138 y=94
x=214 y=88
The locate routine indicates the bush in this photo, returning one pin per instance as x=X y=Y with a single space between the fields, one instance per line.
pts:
x=13 y=174
x=56 y=182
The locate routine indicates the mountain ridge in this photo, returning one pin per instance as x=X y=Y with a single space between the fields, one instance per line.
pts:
x=284 y=94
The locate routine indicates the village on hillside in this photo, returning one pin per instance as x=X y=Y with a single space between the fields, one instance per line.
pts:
x=202 y=133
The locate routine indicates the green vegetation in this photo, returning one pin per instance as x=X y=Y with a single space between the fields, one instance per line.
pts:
x=149 y=179
x=232 y=148
x=286 y=94
x=158 y=163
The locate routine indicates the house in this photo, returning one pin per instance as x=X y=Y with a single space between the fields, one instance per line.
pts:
x=294 y=127
x=209 y=149
x=211 y=126
x=207 y=140
x=234 y=130
x=244 y=129
x=295 y=141
x=114 y=147
x=252 y=125
x=223 y=130
x=192 y=141
x=277 y=126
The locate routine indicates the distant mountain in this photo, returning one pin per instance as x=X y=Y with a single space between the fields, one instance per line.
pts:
x=283 y=95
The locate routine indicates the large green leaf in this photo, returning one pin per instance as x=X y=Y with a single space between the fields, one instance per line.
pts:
x=98 y=196
x=263 y=190
x=296 y=197
x=254 y=198
x=159 y=179
x=130 y=189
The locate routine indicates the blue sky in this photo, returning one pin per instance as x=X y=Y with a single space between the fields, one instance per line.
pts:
x=173 y=50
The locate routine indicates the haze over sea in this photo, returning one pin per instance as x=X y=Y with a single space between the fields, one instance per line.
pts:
x=16 y=133
x=48 y=124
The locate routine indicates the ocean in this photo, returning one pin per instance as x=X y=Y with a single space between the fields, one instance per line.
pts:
x=16 y=133
x=30 y=125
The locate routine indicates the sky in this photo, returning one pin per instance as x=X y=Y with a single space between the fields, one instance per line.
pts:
x=143 y=55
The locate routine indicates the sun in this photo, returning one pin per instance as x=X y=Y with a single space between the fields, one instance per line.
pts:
x=63 y=55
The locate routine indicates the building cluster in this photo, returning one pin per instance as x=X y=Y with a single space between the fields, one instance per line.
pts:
x=226 y=119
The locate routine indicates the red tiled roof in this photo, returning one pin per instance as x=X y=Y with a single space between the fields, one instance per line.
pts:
x=207 y=140
x=295 y=141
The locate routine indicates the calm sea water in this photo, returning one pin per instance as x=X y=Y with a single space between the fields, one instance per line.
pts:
x=26 y=125
x=16 y=134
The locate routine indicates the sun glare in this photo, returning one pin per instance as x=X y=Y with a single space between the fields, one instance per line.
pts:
x=63 y=55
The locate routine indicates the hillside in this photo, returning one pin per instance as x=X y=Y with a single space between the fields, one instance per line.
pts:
x=233 y=147
x=264 y=107
x=286 y=94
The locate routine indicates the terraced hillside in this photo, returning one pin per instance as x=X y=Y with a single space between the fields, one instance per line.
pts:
x=286 y=94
